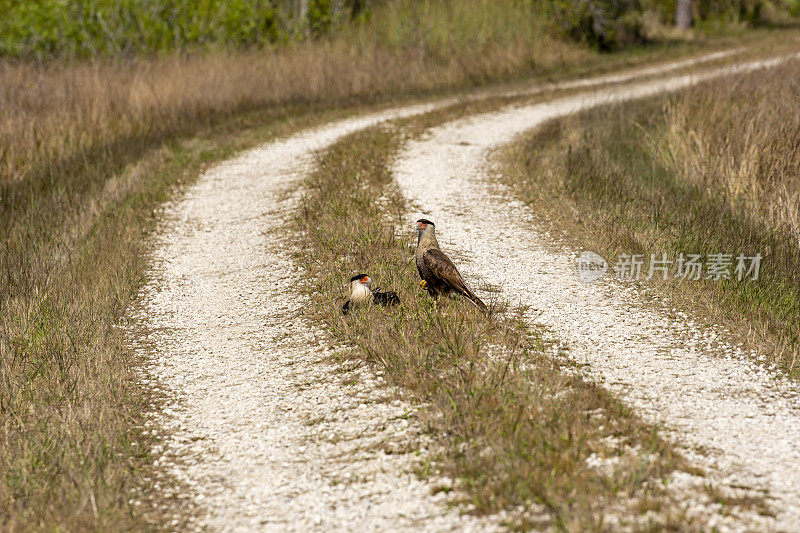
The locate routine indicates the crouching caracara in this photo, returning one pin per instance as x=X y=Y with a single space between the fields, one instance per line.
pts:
x=439 y=274
x=361 y=294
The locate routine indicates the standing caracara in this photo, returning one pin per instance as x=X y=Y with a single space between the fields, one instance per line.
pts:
x=439 y=274
x=361 y=294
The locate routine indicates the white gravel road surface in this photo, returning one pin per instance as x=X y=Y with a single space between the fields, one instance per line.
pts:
x=265 y=434
x=669 y=369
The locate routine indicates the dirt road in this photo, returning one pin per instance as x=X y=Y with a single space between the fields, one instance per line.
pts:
x=267 y=435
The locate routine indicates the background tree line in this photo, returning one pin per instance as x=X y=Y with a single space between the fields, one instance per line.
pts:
x=86 y=28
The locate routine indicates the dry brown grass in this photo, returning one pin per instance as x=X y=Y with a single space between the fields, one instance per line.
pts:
x=742 y=140
x=515 y=425
x=740 y=143
x=711 y=169
x=56 y=113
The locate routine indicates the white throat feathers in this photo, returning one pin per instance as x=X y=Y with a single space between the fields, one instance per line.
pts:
x=359 y=292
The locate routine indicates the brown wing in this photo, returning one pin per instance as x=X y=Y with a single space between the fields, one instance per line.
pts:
x=444 y=270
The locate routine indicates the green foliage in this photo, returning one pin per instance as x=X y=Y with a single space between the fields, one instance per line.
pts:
x=41 y=28
x=320 y=17
x=357 y=7
x=88 y=28
x=441 y=30
x=603 y=24
x=748 y=11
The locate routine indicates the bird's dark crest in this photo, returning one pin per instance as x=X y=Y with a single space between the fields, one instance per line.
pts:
x=357 y=276
x=426 y=221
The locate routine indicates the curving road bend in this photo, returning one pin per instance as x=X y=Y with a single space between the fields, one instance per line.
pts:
x=264 y=434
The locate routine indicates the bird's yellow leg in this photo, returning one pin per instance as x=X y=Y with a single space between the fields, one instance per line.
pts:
x=423 y=284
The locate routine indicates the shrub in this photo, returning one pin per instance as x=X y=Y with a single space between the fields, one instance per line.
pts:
x=730 y=10
x=320 y=17
x=43 y=28
x=604 y=24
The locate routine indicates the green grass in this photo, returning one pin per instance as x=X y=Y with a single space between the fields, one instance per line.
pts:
x=85 y=28
x=711 y=170
x=514 y=425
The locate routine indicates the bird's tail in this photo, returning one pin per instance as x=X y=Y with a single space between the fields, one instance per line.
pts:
x=475 y=300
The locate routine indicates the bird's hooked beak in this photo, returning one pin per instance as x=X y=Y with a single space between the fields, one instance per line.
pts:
x=365 y=280
x=418 y=229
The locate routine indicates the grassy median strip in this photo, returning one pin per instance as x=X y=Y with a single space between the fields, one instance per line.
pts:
x=713 y=169
x=516 y=426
